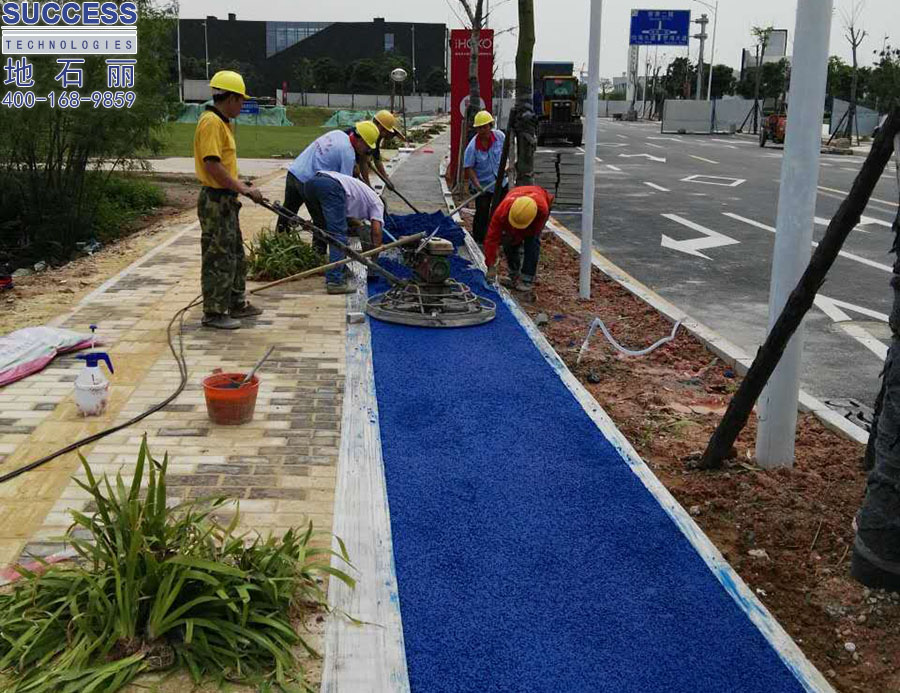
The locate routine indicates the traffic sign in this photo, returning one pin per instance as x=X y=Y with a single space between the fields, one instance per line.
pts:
x=250 y=108
x=660 y=27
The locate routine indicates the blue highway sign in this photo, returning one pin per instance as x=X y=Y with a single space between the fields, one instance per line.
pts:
x=660 y=27
x=250 y=108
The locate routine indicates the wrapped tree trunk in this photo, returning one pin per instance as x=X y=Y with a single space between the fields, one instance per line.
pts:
x=522 y=119
x=876 y=549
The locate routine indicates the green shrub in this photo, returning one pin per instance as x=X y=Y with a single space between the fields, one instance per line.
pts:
x=279 y=254
x=121 y=200
x=159 y=586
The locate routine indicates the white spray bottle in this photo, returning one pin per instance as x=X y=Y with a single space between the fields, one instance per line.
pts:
x=91 y=386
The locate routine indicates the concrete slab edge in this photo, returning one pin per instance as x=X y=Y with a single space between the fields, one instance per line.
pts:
x=804 y=671
x=369 y=657
x=729 y=352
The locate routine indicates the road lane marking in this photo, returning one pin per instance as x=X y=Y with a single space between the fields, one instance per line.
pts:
x=700 y=158
x=732 y=141
x=832 y=308
x=614 y=168
x=648 y=156
x=655 y=186
x=693 y=246
x=844 y=192
x=863 y=220
x=611 y=144
x=826 y=164
x=657 y=146
x=671 y=139
x=711 y=180
x=622 y=136
x=843 y=253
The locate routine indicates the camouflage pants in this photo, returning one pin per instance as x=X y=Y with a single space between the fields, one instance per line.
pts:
x=224 y=267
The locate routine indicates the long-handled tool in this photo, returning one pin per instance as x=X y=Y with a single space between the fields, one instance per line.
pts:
x=406 y=240
x=238 y=384
x=470 y=198
x=393 y=188
x=286 y=214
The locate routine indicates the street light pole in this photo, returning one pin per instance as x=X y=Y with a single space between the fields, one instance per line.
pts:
x=796 y=209
x=703 y=21
x=712 y=55
x=590 y=150
x=206 y=48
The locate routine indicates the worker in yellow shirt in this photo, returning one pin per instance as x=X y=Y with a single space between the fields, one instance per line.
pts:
x=224 y=267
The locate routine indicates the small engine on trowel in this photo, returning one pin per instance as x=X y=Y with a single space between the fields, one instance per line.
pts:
x=433 y=298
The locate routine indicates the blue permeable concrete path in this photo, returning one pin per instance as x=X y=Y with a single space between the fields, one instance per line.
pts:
x=529 y=556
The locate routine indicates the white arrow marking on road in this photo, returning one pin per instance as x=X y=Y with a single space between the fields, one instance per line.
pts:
x=842 y=253
x=693 y=246
x=655 y=186
x=832 y=308
x=648 y=156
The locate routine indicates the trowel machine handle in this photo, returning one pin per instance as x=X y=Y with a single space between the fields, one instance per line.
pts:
x=289 y=216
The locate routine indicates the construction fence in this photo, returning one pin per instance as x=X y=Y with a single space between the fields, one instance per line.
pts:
x=866 y=119
x=707 y=117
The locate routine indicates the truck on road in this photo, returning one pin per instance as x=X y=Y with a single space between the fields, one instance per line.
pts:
x=557 y=102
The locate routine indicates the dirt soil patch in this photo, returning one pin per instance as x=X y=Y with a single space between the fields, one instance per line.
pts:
x=786 y=532
x=40 y=297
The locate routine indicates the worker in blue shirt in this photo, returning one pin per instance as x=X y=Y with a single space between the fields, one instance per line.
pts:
x=481 y=163
x=334 y=151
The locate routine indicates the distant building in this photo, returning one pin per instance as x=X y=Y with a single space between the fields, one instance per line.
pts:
x=776 y=50
x=271 y=50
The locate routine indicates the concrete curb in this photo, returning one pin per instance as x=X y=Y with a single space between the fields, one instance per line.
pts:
x=729 y=352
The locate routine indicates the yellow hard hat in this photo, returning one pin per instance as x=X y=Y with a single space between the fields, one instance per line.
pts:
x=227 y=80
x=368 y=131
x=483 y=118
x=522 y=212
x=387 y=120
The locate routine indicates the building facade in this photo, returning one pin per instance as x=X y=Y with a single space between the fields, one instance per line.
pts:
x=269 y=53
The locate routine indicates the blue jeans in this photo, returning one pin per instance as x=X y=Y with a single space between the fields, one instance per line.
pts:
x=327 y=204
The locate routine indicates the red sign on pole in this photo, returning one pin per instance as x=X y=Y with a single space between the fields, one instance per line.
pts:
x=459 y=82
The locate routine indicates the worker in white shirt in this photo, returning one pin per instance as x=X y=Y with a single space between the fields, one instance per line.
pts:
x=331 y=198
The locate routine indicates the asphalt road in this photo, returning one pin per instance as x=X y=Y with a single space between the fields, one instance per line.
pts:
x=693 y=218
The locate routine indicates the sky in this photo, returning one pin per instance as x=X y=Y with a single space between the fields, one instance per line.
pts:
x=561 y=26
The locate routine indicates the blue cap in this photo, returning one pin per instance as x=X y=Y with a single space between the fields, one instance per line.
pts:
x=94 y=358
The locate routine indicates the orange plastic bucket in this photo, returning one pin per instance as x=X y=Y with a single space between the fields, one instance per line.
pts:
x=228 y=406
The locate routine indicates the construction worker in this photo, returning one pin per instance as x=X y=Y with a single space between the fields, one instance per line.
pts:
x=387 y=130
x=333 y=151
x=481 y=161
x=224 y=268
x=331 y=198
x=516 y=225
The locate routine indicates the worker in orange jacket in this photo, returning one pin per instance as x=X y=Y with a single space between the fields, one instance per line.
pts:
x=516 y=225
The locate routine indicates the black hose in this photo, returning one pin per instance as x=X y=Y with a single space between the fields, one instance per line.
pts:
x=183 y=371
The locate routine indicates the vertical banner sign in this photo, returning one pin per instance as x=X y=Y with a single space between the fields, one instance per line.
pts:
x=459 y=82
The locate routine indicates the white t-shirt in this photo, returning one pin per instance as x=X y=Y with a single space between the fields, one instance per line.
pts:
x=362 y=201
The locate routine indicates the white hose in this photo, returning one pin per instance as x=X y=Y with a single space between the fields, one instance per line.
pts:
x=628 y=352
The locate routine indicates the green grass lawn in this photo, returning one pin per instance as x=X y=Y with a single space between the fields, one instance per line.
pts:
x=253 y=141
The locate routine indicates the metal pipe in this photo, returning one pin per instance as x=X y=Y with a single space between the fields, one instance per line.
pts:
x=406 y=240
x=796 y=211
x=590 y=149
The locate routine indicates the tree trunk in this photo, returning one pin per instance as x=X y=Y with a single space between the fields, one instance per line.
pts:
x=876 y=548
x=523 y=120
x=801 y=300
x=759 y=64
x=474 y=91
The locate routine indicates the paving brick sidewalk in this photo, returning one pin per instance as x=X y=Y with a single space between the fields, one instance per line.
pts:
x=281 y=466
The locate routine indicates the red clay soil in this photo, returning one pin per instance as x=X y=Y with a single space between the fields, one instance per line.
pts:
x=796 y=522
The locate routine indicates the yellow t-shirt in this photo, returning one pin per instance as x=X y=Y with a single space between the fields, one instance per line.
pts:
x=213 y=137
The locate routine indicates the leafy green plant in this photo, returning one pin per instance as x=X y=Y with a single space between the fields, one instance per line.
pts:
x=279 y=254
x=156 y=586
